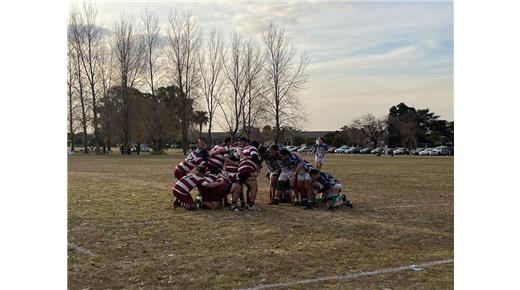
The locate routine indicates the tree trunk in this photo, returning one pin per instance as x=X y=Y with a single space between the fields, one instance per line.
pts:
x=126 y=123
x=277 y=135
x=184 y=125
x=95 y=120
x=71 y=124
x=210 y=136
x=200 y=130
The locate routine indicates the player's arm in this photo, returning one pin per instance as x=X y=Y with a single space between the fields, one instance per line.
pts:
x=240 y=153
x=228 y=161
x=298 y=168
x=213 y=184
x=219 y=150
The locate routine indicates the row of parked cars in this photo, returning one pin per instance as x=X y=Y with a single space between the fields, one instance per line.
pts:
x=440 y=150
x=422 y=151
x=300 y=149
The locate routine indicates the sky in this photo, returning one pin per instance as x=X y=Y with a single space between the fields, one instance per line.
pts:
x=364 y=56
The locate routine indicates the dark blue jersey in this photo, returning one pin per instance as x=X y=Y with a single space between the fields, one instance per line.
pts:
x=327 y=181
x=320 y=149
x=291 y=163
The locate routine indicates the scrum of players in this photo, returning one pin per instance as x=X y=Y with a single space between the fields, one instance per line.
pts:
x=230 y=168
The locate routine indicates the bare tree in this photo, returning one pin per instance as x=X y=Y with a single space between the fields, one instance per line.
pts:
x=233 y=106
x=371 y=126
x=211 y=63
x=151 y=31
x=129 y=55
x=77 y=39
x=184 y=41
x=89 y=55
x=254 y=104
x=286 y=76
x=71 y=95
x=106 y=63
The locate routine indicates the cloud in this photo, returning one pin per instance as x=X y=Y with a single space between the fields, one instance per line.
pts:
x=254 y=17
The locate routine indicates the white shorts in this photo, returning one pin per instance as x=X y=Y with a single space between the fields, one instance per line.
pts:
x=319 y=159
x=333 y=191
x=304 y=175
x=285 y=175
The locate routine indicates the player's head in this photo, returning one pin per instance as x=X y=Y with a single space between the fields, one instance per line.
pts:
x=242 y=141
x=255 y=144
x=285 y=154
x=262 y=151
x=321 y=140
x=202 y=143
x=227 y=141
x=201 y=170
x=315 y=174
x=274 y=149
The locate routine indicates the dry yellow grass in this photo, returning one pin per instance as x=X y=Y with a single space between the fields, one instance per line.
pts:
x=123 y=232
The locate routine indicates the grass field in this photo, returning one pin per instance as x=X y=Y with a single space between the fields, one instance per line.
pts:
x=124 y=233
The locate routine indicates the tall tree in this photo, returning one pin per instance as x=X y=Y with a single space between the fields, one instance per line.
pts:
x=233 y=106
x=106 y=74
x=200 y=118
x=286 y=76
x=211 y=62
x=254 y=103
x=151 y=31
x=184 y=41
x=129 y=55
x=76 y=38
x=89 y=55
x=372 y=127
x=71 y=96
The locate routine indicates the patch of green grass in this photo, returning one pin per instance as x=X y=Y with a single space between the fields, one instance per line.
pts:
x=119 y=208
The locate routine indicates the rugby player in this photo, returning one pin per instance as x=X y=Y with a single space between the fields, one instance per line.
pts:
x=291 y=165
x=320 y=149
x=330 y=189
x=273 y=166
x=182 y=188
x=248 y=168
x=195 y=158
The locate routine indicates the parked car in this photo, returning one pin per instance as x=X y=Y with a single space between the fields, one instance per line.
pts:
x=417 y=150
x=365 y=150
x=401 y=151
x=295 y=149
x=377 y=150
x=305 y=149
x=143 y=148
x=342 y=149
x=291 y=148
x=352 y=150
x=425 y=152
x=389 y=151
x=441 y=150
x=331 y=149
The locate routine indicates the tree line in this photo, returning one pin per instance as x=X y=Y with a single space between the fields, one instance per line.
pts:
x=404 y=126
x=143 y=83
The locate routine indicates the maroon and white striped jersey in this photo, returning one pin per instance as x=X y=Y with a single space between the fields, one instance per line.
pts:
x=186 y=184
x=210 y=178
x=231 y=168
x=217 y=160
x=247 y=165
x=193 y=160
x=249 y=151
